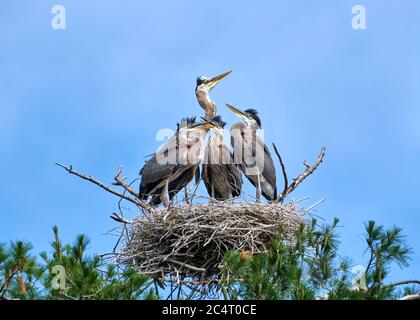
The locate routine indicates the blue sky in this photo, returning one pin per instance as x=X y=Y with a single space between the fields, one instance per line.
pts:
x=95 y=95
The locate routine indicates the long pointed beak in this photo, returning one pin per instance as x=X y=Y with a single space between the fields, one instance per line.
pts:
x=245 y=118
x=236 y=111
x=203 y=125
x=220 y=77
x=214 y=125
x=214 y=81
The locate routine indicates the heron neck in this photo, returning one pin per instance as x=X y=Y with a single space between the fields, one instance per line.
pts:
x=253 y=127
x=206 y=103
x=246 y=130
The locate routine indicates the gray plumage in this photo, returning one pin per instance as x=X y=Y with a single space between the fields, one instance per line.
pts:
x=252 y=154
x=175 y=173
x=222 y=178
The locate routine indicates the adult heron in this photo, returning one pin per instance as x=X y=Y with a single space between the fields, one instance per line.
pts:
x=173 y=164
x=222 y=178
x=252 y=154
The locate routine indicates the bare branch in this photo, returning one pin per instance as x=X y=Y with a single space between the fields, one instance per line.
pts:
x=308 y=171
x=121 y=182
x=103 y=186
x=314 y=205
x=183 y=264
x=119 y=218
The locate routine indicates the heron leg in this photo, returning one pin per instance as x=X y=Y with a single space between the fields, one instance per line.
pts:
x=186 y=196
x=164 y=196
x=230 y=196
x=258 y=195
x=212 y=193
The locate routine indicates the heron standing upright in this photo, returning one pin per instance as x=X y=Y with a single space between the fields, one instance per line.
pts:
x=222 y=178
x=183 y=152
x=202 y=90
x=252 y=154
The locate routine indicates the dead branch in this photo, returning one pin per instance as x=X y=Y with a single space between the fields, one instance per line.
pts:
x=119 y=218
x=121 y=183
x=137 y=202
x=183 y=264
x=308 y=171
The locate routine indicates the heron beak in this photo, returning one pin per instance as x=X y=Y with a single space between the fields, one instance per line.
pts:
x=214 y=81
x=238 y=112
x=204 y=119
x=214 y=127
x=203 y=125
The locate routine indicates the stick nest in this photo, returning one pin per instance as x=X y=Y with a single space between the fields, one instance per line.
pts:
x=190 y=241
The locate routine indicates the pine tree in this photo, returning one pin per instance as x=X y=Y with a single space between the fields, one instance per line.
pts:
x=86 y=277
x=311 y=267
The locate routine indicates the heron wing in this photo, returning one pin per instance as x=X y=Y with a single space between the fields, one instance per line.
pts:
x=159 y=167
x=175 y=185
x=268 y=172
x=268 y=175
x=235 y=179
x=205 y=176
x=154 y=173
x=197 y=175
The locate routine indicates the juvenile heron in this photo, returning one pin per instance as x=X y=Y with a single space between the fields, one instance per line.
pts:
x=252 y=154
x=173 y=163
x=222 y=178
x=185 y=178
x=202 y=90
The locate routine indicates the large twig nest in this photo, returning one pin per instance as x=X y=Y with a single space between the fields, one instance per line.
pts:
x=190 y=241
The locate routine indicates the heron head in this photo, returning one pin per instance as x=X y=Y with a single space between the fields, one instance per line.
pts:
x=217 y=122
x=205 y=84
x=185 y=123
x=249 y=116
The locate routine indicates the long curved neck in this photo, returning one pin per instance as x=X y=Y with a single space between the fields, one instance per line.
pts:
x=206 y=103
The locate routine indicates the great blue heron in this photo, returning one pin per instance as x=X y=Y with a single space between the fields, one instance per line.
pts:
x=202 y=90
x=185 y=178
x=183 y=152
x=222 y=178
x=252 y=154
